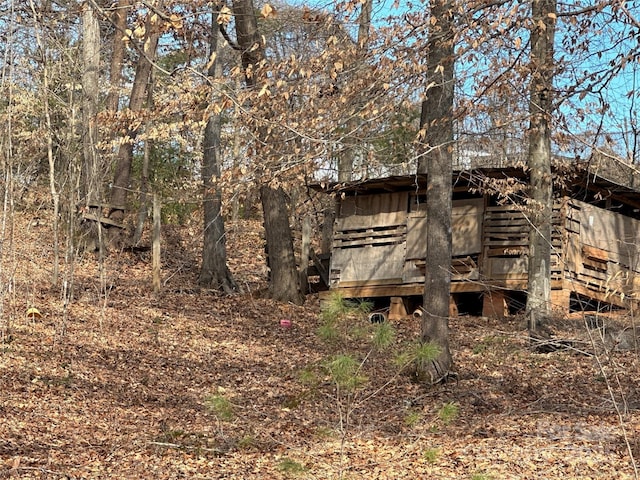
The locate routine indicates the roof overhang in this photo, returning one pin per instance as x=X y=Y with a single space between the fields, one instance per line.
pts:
x=576 y=178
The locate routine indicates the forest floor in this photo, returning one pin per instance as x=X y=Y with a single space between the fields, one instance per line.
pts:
x=193 y=384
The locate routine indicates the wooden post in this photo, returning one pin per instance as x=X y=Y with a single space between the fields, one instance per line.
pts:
x=304 y=253
x=453 y=306
x=561 y=300
x=494 y=304
x=397 y=309
x=156 y=244
x=327 y=230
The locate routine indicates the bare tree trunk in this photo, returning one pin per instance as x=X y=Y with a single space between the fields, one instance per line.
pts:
x=119 y=19
x=436 y=123
x=541 y=185
x=281 y=260
x=91 y=186
x=90 y=91
x=235 y=202
x=248 y=38
x=55 y=194
x=214 y=271
x=144 y=177
x=347 y=157
x=364 y=23
x=143 y=211
x=284 y=278
x=122 y=174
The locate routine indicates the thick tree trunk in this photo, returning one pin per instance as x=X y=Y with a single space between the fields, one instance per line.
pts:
x=91 y=184
x=541 y=186
x=122 y=174
x=248 y=38
x=284 y=284
x=437 y=127
x=284 y=279
x=91 y=65
x=119 y=19
x=214 y=271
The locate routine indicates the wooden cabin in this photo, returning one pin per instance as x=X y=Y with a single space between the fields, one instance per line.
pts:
x=378 y=245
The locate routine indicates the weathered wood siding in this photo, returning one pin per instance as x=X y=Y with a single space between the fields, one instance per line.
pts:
x=466 y=231
x=603 y=254
x=506 y=246
x=370 y=240
x=379 y=248
x=380 y=239
x=368 y=211
x=466 y=239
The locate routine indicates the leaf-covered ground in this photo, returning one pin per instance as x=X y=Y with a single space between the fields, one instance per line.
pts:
x=192 y=384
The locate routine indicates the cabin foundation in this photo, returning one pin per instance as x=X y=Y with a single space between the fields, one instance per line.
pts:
x=494 y=304
x=397 y=308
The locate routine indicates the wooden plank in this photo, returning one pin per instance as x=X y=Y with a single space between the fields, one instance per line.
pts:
x=492 y=228
x=594 y=265
x=492 y=231
x=461 y=269
x=369 y=237
x=499 y=267
x=595 y=253
x=370 y=283
x=102 y=220
x=506 y=219
x=617 y=279
x=513 y=244
x=515 y=209
x=507 y=207
x=466 y=228
x=398 y=290
x=365 y=211
x=509 y=276
x=370 y=232
x=503 y=243
x=465 y=286
x=106 y=205
x=513 y=267
x=518 y=283
x=509 y=222
x=374 y=262
x=606 y=297
x=617 y=234
x=505 y=216
x=364 y=242
x=463 y=276
x=511 y=250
